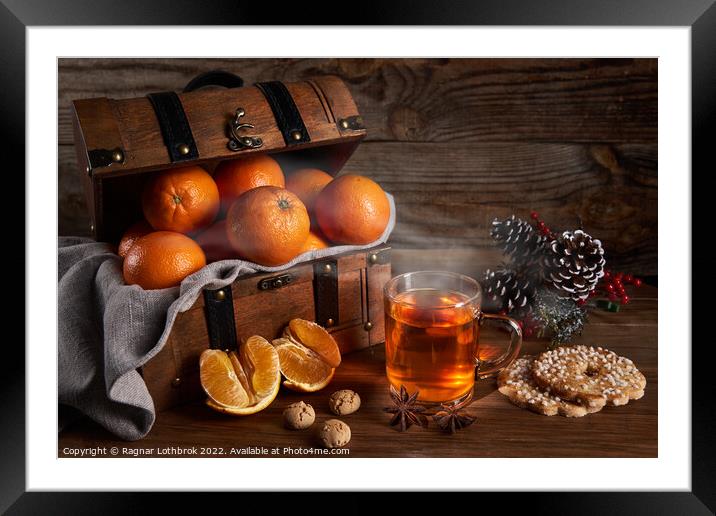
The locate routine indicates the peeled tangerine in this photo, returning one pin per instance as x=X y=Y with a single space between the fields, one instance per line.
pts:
x=243 y=383
x=308 y=356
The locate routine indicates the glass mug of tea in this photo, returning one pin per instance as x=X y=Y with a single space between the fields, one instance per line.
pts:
x=432 y=325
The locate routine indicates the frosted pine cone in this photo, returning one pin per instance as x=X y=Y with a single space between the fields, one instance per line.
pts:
x=519 y=240
x=505 y=290
x=574 y=263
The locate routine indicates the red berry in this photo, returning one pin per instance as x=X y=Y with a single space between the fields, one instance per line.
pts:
x=628 y=278
x=610 y=287
x=612 y=297
x=607 y=275
x=625 y=299
x=619 y=276
x=534 y=215
x=581 y=302
x=528 y=331
x=637 y=282
x=541 y=225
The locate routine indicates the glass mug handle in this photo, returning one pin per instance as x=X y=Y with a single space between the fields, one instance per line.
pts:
x=487 y=368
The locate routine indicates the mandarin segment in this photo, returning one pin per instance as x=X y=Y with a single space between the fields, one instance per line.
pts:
x=261 y=358
x=316 y=338
x=219 y=380
x=303 y=369
x=309 y=387
x=242 y=376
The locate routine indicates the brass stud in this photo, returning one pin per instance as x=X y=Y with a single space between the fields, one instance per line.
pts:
x=117 y=156
x=368 y=326
x=184 y=149
x=176 y=382
x=296 y=135
x=330 y=322
x=327 y=267
x=88 y=169
x=373 y=258
x=220 y=295
x=92 y=227
x=345 y=124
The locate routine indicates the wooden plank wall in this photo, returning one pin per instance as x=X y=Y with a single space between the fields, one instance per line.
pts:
x=457 y=141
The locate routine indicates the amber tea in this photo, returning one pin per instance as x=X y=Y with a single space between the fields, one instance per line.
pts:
x=431 y=335
x=430 y=344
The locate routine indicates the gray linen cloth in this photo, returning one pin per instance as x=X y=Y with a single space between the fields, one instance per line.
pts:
x=108 y=329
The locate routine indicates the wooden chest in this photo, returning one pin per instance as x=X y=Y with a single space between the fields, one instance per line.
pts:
x=315 y=123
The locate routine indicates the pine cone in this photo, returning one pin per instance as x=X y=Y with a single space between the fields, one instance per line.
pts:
x=519 y=240
x=506 y=290
x=574 y=264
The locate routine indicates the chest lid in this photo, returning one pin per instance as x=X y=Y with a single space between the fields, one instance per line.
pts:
x=144 y=133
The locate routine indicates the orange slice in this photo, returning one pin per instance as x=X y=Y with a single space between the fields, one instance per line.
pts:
x=303 y=368
x=316 y=338
x=243 y=383
x=309 y=387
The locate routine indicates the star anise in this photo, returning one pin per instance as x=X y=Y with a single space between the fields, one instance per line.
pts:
x=406 y=411
x=449 y=418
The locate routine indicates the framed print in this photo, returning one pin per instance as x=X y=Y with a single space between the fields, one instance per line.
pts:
x=414 y=249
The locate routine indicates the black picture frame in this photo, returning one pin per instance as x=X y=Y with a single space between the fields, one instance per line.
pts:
x=17 y=15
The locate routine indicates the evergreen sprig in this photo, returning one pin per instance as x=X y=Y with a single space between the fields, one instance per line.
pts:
x=559 y=319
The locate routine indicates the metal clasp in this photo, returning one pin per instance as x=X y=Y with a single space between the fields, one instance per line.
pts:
x=239 y=142
x=275 y=282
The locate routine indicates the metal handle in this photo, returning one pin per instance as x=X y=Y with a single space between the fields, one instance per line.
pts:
x=214 y=78
x=237 y=141
x=488 y=368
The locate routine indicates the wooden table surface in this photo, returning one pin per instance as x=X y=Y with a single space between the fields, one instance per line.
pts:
x=501 y=430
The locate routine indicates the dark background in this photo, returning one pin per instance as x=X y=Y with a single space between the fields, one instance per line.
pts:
x=457 y=142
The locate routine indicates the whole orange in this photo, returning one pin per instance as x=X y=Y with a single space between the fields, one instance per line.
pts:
x=313 y=242
x=162 y=259
x=307 y=183
x=184 y=199
x=268 y=225
x=215 y=243
x=139 y=229
x=237 y=176
x=352 y=209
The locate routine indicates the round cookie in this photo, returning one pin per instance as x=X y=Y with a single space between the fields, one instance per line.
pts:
x=592 y=376
x=516 y=382
x=344 y=402
x=298 y=416
x=334 y=433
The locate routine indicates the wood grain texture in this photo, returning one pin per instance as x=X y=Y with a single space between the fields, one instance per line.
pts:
x=501 y=430
x=606 y=100
x=457 y=141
